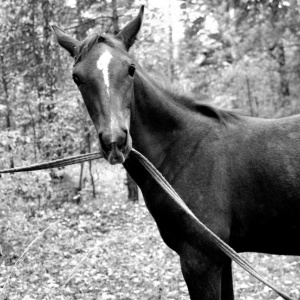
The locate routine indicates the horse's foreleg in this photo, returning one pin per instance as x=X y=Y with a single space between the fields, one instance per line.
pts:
x=227 y=284
x=202 y=276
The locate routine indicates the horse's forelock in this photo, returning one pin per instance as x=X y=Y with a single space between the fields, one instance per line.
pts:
x=87 y=44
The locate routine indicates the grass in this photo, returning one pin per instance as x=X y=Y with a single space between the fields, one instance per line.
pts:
x=108 y=248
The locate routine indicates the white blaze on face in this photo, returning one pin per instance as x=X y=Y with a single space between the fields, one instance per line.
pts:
x=102 y=65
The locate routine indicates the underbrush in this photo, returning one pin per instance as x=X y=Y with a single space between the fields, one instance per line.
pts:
x=103 y=248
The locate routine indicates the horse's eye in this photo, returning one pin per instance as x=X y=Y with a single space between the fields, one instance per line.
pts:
x=131 y=70
x=76 y=79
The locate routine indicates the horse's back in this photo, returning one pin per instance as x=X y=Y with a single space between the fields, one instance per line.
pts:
x=242 y=180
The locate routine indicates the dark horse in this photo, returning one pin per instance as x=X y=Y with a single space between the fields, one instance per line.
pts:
x=239 y=175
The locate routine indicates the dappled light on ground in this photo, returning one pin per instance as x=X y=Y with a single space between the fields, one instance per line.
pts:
x=108 y=248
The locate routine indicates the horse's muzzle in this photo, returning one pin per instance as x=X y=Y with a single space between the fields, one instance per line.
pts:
x=115 y=155
x=115 y=149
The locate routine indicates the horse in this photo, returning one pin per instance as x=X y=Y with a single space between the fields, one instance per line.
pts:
x=240 y=175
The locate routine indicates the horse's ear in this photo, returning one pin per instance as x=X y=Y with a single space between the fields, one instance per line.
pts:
x=65 y=40
x=128 y=34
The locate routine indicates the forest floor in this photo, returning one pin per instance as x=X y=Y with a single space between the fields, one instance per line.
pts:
x=108 y=248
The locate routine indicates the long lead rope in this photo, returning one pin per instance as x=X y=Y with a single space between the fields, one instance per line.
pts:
x=62 y=162
x=230 y=252
x=158 y=177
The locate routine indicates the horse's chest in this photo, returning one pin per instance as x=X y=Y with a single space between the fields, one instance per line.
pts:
x=176 y=226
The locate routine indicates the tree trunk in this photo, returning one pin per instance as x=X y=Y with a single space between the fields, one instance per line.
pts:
x=8 y=110
x=251 y=101
x=284 y=82
x=33 y=129
x=36 y=74
x=35 y=77
x=115 y=18
x=88 y=140
x=79 y=188
x=133 y=191
x=79 y=32
x=278 y=54
x=171 y=67
x=80 y=177
x=47 y=69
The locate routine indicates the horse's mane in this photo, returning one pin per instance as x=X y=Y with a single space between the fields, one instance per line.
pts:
x=87 y=44
x=195 y=105
x=220 y=115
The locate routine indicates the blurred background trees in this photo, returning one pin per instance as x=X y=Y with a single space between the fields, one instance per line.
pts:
x=244 y=54
x=233 y=54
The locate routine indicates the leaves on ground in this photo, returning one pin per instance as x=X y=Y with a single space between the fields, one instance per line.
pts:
x=108 y=249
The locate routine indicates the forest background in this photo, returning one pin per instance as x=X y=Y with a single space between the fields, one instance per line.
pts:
x=232 y=54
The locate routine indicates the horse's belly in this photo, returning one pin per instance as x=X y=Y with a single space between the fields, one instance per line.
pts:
x=278 y=236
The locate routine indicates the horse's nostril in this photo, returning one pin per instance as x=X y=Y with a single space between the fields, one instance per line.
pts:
x=125 y=138
x=104 y=145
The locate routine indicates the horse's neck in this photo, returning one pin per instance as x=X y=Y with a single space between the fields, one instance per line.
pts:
x=156 y=120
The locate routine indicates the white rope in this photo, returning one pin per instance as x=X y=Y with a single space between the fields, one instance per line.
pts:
x=230 y=252
x=158 y=177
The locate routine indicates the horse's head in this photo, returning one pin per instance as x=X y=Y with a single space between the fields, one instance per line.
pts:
x=104 y=73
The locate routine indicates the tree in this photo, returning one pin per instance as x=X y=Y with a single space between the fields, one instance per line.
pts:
x=230 y=46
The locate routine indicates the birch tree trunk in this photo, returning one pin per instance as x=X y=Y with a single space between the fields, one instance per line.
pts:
x=4 y=79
